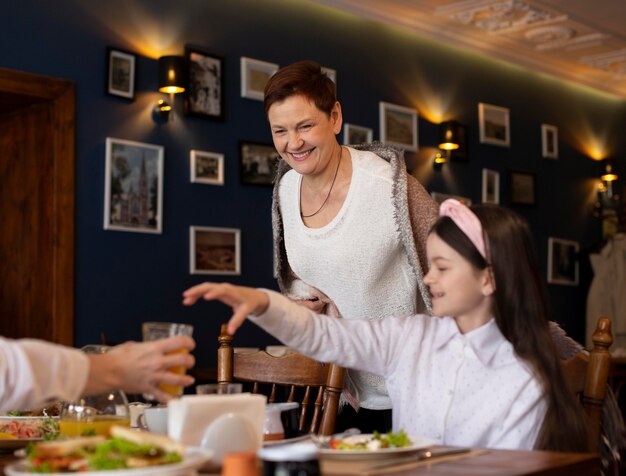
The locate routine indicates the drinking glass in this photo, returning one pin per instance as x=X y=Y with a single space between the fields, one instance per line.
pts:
x=162 y=330
x=96 y=414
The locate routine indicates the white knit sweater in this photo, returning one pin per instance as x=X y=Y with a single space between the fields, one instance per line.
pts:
x=357 y=259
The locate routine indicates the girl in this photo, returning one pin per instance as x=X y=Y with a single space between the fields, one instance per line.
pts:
x=486 y=375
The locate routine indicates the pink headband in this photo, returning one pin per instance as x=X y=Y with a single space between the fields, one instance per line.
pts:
x=465 y=219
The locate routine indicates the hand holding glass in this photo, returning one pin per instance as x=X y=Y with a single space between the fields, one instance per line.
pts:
x=162 y=330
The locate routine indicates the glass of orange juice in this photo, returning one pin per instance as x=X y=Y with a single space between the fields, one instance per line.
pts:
x=96 y=414
x=162 y=330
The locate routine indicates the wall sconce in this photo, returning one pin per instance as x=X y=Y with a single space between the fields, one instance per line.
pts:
x=451 y=137
x=172 y=80
x=608 y=203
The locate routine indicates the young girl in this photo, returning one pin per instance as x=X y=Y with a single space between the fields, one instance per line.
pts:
x=486 y=375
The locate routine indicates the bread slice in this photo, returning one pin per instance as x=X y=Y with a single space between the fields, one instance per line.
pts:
x=58 y=448
x=144 y=438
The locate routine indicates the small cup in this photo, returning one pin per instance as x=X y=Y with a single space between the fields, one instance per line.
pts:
x=135 y=410
x=218 y=388
x=153 y=419
x=244 y=463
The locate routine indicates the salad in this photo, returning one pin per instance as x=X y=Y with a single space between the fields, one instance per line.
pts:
x=28 y=428
x=372 y=442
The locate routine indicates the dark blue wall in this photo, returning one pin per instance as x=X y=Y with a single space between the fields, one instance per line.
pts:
x=123 y=278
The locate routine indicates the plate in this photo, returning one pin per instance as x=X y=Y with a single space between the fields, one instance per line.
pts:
x=10 y=424
x=286 y=441
x=419 y=443
x=194 y=459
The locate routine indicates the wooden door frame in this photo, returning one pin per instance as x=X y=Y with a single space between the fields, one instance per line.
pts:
x=60 y=94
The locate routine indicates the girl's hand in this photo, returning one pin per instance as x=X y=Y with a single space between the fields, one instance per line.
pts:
x=244 y=301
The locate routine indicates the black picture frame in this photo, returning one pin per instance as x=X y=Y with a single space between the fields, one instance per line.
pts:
x=204 y=95
x=258 y=162
x=121 y=78
x=523 y=188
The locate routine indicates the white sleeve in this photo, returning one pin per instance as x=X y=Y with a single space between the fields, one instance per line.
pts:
x=34 y=373
x=356 y=344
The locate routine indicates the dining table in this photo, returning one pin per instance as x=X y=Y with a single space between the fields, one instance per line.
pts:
x=475 y=461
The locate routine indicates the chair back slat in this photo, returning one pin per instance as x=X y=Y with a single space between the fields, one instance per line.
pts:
x=321 y=384
x=587 y=376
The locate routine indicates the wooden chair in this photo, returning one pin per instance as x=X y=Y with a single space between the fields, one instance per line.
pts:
x=319 y=385
x=587 y=374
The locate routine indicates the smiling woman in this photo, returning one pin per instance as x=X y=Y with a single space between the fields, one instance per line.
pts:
x=341 y=212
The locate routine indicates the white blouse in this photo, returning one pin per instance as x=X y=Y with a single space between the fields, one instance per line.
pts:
x=34 y=373
x=457 y=389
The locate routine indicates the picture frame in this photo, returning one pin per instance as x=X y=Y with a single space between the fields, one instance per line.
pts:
x=133 y=190
x=257 y=163
x=523 y=188
x=353 y=134
x=121 y=77
x=254 y=76
x=398 y=126
x=206 y=167
x=442 y=197
x=491 y=186
x=204 y=95
x=549 y=141
x=494 y=124
x=214 y=250
x=562 y=261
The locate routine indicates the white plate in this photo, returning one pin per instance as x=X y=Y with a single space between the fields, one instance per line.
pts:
x=419 y=443
x=194 y=459
x=17 y=443
x=286 y=441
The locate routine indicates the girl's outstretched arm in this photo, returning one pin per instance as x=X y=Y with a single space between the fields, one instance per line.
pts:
x=244 y=301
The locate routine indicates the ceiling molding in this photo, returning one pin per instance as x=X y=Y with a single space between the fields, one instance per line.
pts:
x=574 y=40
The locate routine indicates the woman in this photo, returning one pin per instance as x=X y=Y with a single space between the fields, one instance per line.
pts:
x=349 y=223
x=486 y=374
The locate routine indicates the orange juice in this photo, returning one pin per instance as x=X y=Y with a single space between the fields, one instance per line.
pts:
x=175 y=389
x=98 y=425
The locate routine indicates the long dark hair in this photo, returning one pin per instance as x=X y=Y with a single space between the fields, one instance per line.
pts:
x=521 y=312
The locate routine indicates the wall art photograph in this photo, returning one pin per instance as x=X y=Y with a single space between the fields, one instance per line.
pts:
x=258 y=163
x=254 y=76
x=491 y=186
x=205 y=94
x=442 y=197
x=121 y=73
x=353 y=134
x=214 y=250
x=562 y=261
x=522 y=188
x=549 y=141
x=398 y=126
x=494 y=125
x=206 y=167
x=133 y=193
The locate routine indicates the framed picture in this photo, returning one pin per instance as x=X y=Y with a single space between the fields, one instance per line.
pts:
x=494 y=125
x=206 y=167
x=357 y=134
x=258 y=163
x=254 y=76
x=491 y=186
x=121 y=73
x=441 y=197
x=331 y=73
x=398 y=126
x=205 y=92
x=214 y=250
x=562 y=261
x=522 y=188
x=133 y=190
x=549 y=141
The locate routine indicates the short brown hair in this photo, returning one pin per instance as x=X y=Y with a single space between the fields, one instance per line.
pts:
x=305 y=78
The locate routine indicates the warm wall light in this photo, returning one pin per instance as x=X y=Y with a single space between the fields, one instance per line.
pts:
x=172 y=80
x=451 y=137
